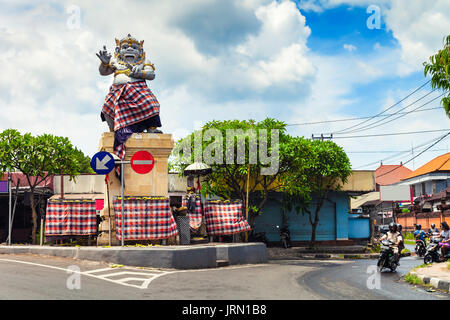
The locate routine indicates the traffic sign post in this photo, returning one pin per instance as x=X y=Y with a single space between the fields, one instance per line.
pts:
x=142 y=162
x=103 y=162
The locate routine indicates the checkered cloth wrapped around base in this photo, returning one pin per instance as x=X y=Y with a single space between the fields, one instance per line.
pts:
x=71 y=217
x=196 y=217
x=145 y=219
x=224 y=218
x=130 y=103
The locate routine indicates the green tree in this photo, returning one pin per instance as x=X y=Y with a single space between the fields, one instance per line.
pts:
x=316 y=168
x=39 y=158
x=228 y=179
x=438 y=68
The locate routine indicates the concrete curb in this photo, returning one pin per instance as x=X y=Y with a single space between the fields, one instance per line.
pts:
x=435 y=282
x=331 y=256
x=179 y=257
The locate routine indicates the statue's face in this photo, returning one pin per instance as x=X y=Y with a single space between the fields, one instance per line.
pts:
x=130 y=52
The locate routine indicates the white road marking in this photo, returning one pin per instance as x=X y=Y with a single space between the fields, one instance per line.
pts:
x=149 y=275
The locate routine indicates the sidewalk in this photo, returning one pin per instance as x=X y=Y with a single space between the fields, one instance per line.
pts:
x=324 y=252
x=436 y=274
x=332 y=252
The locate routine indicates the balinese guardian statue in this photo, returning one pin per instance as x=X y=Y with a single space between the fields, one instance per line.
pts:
x=130 y=106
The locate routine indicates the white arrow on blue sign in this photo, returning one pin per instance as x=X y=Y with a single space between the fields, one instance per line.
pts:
x=102 y=162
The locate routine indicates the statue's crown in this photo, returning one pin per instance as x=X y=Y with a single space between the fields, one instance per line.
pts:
x=130 y=40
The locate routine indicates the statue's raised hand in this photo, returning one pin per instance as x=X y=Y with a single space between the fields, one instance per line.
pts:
x=104 y=56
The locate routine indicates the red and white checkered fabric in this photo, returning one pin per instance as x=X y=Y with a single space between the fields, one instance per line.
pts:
x=196 y=217
x=71 y=218
x=130 y=103
x=223 y=218
x=145 y=219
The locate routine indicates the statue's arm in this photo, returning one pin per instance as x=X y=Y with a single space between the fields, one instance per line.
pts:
x=105 y=69
x=145 y=71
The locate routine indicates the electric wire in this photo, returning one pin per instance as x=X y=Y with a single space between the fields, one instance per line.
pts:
x=374 y=124
x=439 y=140
x=384 y=111
x=399 y=154
x=389 y=134
x=359 y=118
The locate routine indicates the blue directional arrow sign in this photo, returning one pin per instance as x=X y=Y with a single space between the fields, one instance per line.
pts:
x=102 y=162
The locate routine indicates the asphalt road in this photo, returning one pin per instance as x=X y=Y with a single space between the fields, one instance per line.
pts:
x=36 y=277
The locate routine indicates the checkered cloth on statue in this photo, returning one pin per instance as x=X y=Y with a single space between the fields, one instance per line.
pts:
x=195 y=214
x=145 y=219
x=63 y=218
x=224 y=218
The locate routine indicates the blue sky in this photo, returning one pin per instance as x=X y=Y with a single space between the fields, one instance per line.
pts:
x=303 y=61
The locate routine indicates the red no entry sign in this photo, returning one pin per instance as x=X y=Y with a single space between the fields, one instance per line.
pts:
x=142 y=162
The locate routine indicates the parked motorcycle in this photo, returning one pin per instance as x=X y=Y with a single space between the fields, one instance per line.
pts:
x=258 y=237
x=433 y=253
x=421 y=247
x=285 y=237
x=387 y=258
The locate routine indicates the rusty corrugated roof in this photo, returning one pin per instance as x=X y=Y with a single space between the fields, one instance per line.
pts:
x=388 y=174
x=440 y=163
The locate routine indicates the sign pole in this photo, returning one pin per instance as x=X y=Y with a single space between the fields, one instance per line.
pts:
x=10 y=208
x=122 y=173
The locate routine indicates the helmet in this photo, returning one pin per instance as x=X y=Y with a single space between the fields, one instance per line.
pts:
x=392 y=227
x=399 y=227
x=433 y=226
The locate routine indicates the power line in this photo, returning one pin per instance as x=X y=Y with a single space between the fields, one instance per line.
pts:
x=389 y=134
x=359 y=118
x=390 y=151
x=399 y=154
x=384 y=111
x=374 y=124
x=444 y=136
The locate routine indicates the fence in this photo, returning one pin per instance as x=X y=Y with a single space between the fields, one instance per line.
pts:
x=425 y=219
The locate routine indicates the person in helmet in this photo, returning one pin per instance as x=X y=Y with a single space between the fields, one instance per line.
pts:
x=433 y=229
x=395 y=237
x=419 y=233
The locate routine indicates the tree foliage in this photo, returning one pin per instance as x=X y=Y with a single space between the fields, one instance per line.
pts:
x=438 y=67
x=305 y=168
x=41 y=157
x=316 y=168
x=228 y=178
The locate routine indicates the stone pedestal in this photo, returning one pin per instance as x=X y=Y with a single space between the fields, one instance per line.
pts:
x=154 y=183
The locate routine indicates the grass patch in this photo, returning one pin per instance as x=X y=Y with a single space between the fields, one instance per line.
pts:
x=408 y=241
x=413 y=279
x=409 y=236
x=423 y=265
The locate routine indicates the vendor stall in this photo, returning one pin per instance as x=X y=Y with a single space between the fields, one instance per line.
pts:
x=145 y=218
x=225 y=218
x=71 y=218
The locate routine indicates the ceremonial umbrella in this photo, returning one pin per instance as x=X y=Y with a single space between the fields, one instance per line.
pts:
x=197 y=169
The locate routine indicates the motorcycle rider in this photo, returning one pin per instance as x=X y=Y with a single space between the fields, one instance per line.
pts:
x=433 y=229
x=395 y=237
x=419 y=233
x=445 y=234
x=401 y=244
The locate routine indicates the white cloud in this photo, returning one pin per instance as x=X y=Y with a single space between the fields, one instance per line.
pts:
x=53 y=83
x=349 y=47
